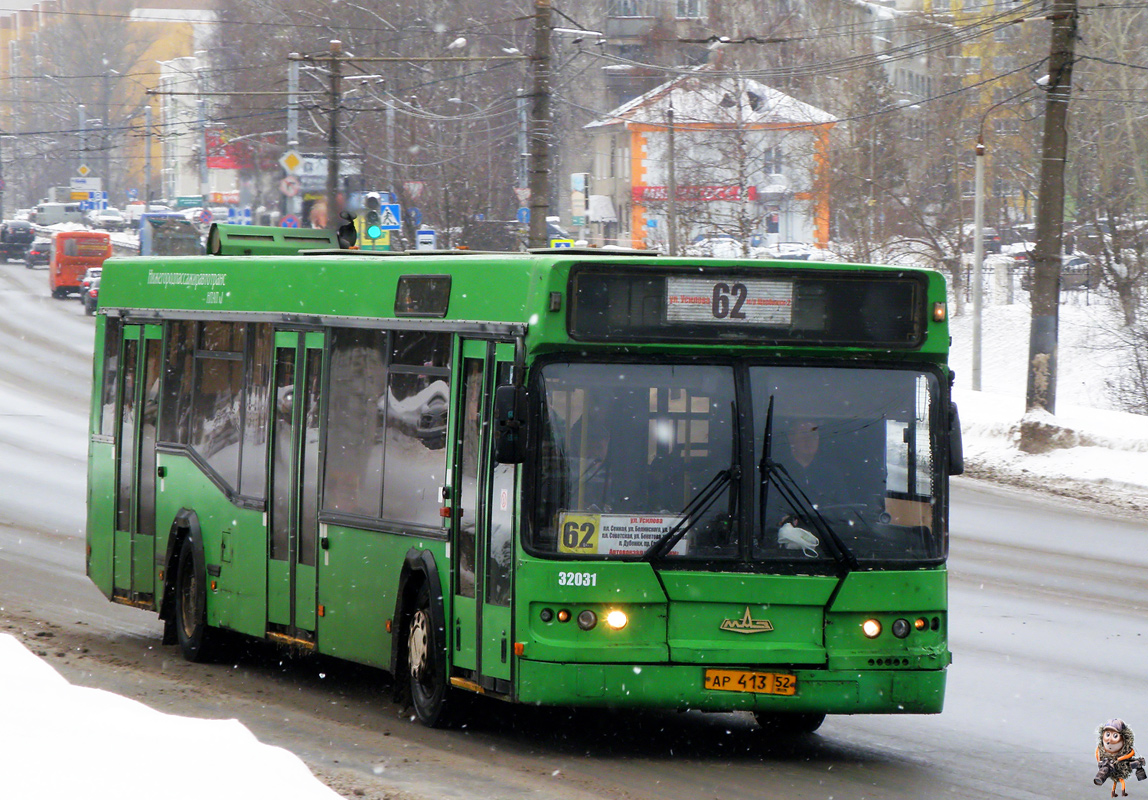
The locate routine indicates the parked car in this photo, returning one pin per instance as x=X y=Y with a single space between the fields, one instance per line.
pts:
x=133 y=211
x=40 y=252
x=55 y=213
x=717 y=246
x=16 y=236
x=91 y=274
x=1076 y=272
x=109 y=219
x=784 y=251
x=990 y=237
x=90 y=297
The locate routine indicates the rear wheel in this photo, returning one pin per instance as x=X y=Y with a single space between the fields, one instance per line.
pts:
x=788 y=724
x=431 y=694
x=196 y=640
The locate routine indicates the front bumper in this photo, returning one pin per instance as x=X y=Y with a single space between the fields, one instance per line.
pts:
x=680 y=687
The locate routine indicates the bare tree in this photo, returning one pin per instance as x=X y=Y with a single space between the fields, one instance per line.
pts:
x=1111 y=153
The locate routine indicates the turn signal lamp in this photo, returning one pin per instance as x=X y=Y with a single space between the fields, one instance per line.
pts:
x=617 y=619
x=920 y=623
x=939 y=312
x=871 y=628
x=564 y=615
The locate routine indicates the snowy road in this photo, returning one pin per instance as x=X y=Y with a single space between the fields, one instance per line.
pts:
x=1049 y=629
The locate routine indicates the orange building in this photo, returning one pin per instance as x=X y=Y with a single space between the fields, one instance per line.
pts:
x=748 y=163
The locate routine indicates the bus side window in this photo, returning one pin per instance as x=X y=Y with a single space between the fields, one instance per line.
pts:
x=113 y=330
x=418 y=398
x=356 y=410
x=175 y=408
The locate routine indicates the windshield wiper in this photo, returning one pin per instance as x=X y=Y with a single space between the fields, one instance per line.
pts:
x=791 y=493
x=694 y=510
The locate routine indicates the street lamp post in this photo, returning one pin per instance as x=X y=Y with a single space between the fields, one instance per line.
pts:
x=978 y=258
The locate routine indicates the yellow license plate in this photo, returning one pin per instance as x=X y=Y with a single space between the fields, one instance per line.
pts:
x=738 y=680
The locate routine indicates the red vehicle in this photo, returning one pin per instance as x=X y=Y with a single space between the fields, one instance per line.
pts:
x=73 y=252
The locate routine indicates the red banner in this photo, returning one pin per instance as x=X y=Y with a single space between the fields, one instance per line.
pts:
x=692 y=194
x=225 y=153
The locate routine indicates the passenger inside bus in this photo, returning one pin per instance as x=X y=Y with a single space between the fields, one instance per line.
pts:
x=640 y=451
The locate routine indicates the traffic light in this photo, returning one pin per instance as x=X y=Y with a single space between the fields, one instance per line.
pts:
x=372 y=223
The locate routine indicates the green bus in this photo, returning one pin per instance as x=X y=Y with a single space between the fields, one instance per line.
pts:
x=565 y=477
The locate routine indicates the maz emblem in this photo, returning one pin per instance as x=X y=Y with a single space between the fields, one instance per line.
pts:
x=747 y=624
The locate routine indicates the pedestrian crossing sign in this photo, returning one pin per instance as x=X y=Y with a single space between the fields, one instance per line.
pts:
x=390 y=217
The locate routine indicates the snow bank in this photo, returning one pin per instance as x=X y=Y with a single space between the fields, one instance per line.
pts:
x=1093 y=448
x=68 y=741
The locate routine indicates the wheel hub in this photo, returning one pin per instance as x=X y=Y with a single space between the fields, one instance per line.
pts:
x=417 y=643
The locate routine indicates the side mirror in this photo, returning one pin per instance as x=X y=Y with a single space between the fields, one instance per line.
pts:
x=956 y=444
x=509 y=424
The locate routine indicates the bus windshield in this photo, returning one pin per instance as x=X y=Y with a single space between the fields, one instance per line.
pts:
x=627 y=450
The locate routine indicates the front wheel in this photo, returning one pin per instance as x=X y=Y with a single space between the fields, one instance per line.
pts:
x=431 y=694
x=196 y=640
x=788 y=724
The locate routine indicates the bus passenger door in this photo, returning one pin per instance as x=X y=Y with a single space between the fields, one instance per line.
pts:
x=293 y=493
x=484 y=516
x=134 y=559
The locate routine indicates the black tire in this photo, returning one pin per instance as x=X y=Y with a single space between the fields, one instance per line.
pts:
x=431 y=693
x=788 y=724
x=59 y=294
x=197 y=641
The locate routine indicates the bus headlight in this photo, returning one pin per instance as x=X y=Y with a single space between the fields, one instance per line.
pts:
x=617 y=619
x=871 y=628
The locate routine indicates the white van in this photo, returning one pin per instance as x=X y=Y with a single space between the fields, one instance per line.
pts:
x=52 y=213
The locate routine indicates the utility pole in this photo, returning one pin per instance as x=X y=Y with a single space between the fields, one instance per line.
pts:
x=204 y=180
x=540 y=127
x=1041 y=390
x=147 y=156
x=335 y=61
x=333 y=135
x=978 y=258
x=293 y=205
x=83 y=120
x=672 y=188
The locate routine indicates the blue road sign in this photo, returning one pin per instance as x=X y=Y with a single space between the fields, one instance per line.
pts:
x=523 y=215
x=415 y=215
x=289 y=221
x=133 y=194
x=390 y=217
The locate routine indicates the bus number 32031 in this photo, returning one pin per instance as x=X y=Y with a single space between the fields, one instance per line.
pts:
x=577 y=578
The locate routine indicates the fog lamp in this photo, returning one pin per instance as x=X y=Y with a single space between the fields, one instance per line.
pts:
x=871 y=628
x=900 y=628
x=617 y=619
x=587 y=620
